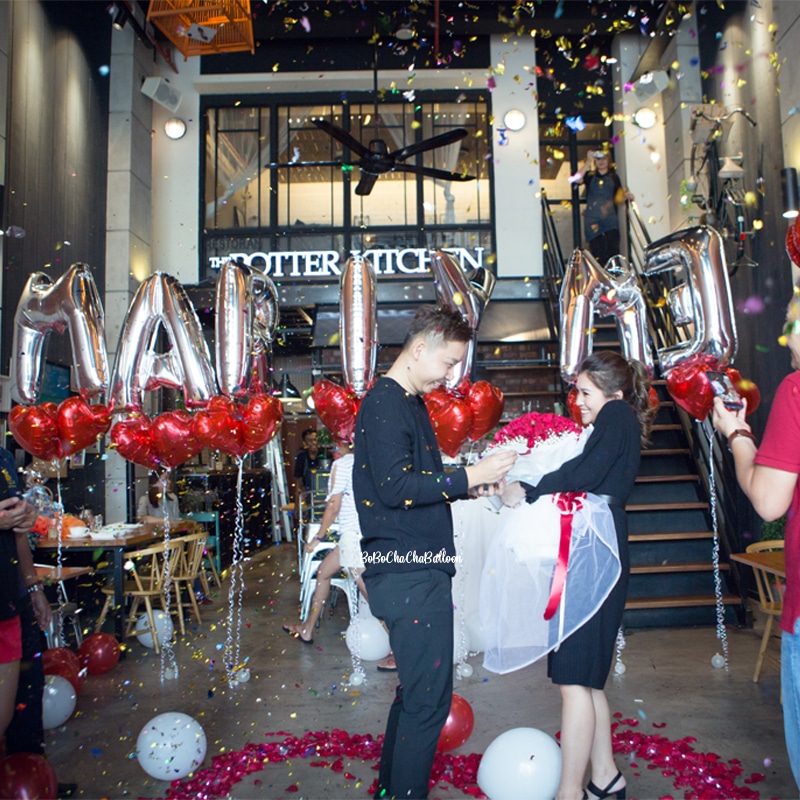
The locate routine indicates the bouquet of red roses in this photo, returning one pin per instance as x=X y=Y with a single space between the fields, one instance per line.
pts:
x=543 y=443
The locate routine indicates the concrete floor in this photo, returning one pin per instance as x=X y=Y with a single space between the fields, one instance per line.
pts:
x=669 y=687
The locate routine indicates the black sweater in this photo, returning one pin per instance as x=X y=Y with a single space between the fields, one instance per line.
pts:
x=402 y=493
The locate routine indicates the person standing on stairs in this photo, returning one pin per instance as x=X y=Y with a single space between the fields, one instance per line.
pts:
x=613 y=395
x=768 y=475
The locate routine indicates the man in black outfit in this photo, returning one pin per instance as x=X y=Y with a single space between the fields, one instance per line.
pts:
x=306 y=460
x=402 y=495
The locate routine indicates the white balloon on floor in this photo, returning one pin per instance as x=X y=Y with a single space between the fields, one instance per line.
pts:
x=164 y=629
x=171 y=746
x=521 y=764
x=373 y=641
x=58 y=700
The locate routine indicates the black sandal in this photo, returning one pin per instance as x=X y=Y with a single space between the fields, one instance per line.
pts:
x=601 y=794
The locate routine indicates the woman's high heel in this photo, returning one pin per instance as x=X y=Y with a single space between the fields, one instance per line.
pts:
x=601 y=794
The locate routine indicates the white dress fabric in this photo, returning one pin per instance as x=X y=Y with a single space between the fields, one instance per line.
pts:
x=518 y=575
x=349 y=531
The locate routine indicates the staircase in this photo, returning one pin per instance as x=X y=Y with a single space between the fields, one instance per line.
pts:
x=670 y=535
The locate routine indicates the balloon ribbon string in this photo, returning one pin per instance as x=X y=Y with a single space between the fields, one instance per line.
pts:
x=568 y=503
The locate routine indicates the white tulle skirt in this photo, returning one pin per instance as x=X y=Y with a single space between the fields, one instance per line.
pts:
x=518 y=573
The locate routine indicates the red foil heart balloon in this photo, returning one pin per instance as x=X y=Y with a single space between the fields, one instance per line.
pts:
x=747 y=390
x=219 y=427
x=337 y=409
x=174 y=437
x=260 y=420
x=572 y=407
x=35 y=428
x=133 y=441
x=689 y=387
x=450 y=418
x=486 y=407
x=80 y=425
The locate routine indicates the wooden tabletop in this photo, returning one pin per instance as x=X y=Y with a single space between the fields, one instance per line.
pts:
x=772 y=561
x=56 y=575
x=145 y=532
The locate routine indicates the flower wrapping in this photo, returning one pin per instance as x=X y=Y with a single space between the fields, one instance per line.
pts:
x=543 y=442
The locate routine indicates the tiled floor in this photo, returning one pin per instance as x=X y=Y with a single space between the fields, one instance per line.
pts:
x=669 y=688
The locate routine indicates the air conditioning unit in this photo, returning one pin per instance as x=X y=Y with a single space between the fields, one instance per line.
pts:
x=159 y=90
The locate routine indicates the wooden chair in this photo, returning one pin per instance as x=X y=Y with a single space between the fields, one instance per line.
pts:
x=770 y=600
x=187 y=571
x=212 y=555
x=144 y=584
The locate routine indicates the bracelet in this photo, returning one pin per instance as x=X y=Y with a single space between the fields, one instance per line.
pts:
x=741 y=432
x=36 y=587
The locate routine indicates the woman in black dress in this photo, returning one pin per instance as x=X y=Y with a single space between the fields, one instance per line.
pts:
x=614 y=396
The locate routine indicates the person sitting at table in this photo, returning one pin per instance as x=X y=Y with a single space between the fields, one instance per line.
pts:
x=153 y=506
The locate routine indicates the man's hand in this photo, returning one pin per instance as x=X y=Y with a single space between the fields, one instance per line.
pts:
x=17 y=514
x=490 y=470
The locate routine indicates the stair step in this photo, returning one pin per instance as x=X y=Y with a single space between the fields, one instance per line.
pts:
x=667 y=426
x=670 y=537
x=680 y=601
x=669 y=451
x=691 y=566
x=666 y=506
x=666 y=478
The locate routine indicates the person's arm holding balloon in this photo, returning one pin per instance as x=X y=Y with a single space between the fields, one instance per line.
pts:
x=770 y=490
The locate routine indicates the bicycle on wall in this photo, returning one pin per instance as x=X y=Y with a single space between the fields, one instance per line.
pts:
x=717 y=183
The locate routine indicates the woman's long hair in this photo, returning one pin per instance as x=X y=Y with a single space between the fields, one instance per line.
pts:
x=611 y=373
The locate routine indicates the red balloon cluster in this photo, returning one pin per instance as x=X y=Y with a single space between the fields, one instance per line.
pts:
x=793 y=242
x=63 y=662
x=336 y=407
x=53 y=431
x=468 y=411
x=458 y=726
x=175 y=436
x=690 y=388
x=99 y=653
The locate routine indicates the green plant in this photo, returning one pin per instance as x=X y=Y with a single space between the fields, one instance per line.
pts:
x=774 y=529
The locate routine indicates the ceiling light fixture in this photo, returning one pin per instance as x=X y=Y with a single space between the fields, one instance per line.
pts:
x=405 y=33
x=175 y=128
x=789 y=193
x=119 y=15
x=644 y=118
x=514 y=119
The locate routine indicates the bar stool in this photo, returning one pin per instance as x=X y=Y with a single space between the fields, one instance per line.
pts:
x=213 y=541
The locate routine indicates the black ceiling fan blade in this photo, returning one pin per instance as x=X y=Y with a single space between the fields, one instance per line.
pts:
x=275 y=165
x=430 y=144
x=366 y=183
x=342 y=136
x=432 y=172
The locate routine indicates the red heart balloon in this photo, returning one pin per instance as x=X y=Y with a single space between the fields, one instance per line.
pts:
x=174 y=437
x=337 y=408
x=689 y=387
x=219 y=426
x=35 y=428
x=747 y=389
x=486 y=407
x=450 y=420
x=260 y=419
x=133 y=441
x=80 y=425
x=572 y=408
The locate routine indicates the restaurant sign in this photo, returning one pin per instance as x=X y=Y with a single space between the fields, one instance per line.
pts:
x=326 y=264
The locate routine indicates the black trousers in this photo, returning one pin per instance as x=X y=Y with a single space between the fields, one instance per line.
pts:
x=605 y=246
x=417 y=608
x=25 y=733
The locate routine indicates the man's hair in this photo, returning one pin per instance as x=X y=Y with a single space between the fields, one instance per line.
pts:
x=306 y=432
x=437 y=326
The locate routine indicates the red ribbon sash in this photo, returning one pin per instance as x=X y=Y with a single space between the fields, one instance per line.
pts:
x=568 y=503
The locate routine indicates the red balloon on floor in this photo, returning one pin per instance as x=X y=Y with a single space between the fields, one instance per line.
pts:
x=66 y=671
x=99 y=653
x=458 y=726
x=25 y=776
x=60 y=655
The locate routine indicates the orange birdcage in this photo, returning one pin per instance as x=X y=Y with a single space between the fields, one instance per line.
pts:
x=204 y=27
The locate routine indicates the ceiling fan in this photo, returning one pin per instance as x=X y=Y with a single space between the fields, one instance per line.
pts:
x=376 y=159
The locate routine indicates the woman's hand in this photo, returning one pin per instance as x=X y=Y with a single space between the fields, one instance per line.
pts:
x=41 y=609
x=513 y=494
x=726 y=421
x=17 y=514
x=311 y=546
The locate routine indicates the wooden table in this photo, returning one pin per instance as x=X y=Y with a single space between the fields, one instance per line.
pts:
x=772 y=561
x=55 y=575
x=145 y=533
